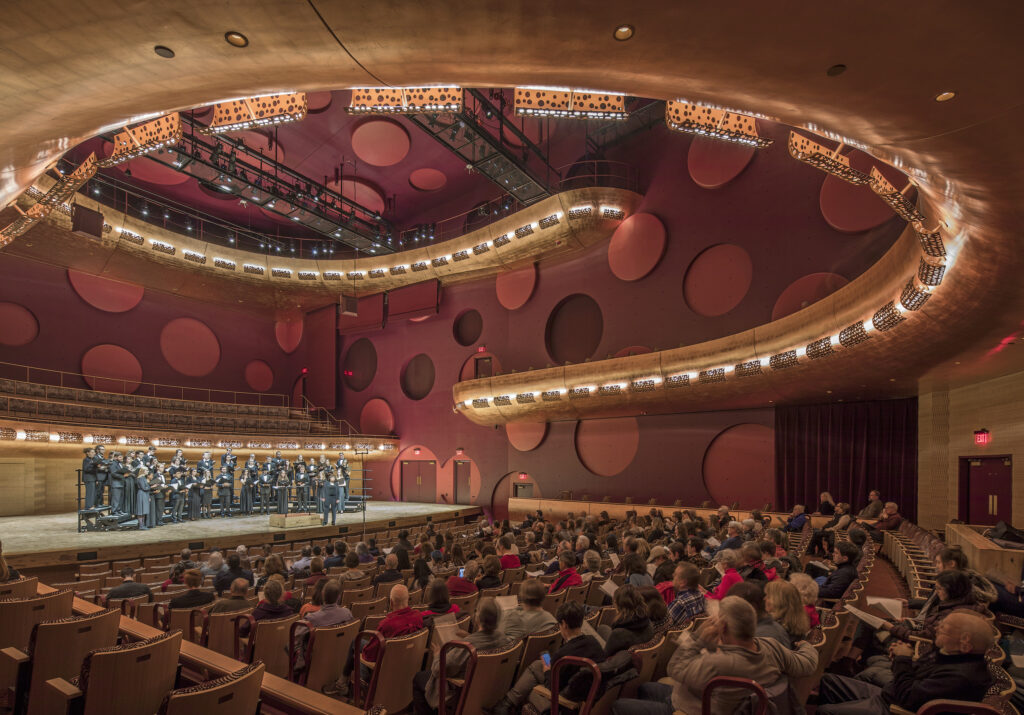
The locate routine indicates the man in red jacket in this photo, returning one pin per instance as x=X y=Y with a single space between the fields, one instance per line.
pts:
x=505 y=555
x=567 y=575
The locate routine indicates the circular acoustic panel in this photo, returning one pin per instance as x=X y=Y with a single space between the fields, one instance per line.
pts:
x=713 y=163
x=853 y=209
x=105 y=294
x=427 y=179
x=606 y=447
x=633 y=350
x=259 y=376
x=574 y=329
x=380 y=142
x=514 y=288
x=17 y=325
x=376 y=417
x=468 y=327
x=417 y=378
x=739 y=466
x=288 y=334
x=636 y=246
x=317 y=102
x=190 y=347
x=525 y=436
x=111 y=368
x=806 y=290
x=717 y=280
x=360 y=365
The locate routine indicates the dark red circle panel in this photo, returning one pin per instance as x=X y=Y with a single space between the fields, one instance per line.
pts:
x=417 y=378
x=574 y=329
x=606 y=447
x=380 y=142
x=376 y=417
x=190 y=347
x=636 y=246
x=739 y=466
x=360 y=365
x=713 y=163
x=105 y=294
x=468 y=327
x=111 y=368
x=17 y=325
x=514 y=288
x=525 y=436
x=259 y=376
x=718 y=279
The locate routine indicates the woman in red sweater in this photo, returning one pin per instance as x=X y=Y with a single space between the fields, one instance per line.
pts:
x=729 y=560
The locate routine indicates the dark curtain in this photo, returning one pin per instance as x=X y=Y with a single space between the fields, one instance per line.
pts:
x=847 y=449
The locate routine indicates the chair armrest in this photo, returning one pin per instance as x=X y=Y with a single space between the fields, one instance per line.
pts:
x=595 y=682
x=443 y=671
x=897 y=710
x=13 y=667
x=545 y=693
x=59 y=696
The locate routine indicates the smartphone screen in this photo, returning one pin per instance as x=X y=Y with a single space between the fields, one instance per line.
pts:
x=462 y=572
x=546 y=657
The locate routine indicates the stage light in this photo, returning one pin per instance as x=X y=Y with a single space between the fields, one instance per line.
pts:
x=568 y=103
x=713 y=123
x=132 y=143
x=405 y=100
x=831 y=162
x=256 y=112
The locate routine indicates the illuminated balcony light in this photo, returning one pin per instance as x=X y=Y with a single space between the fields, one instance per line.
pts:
x=419 y=266
x=253 y=268
x=355 y=275
x=281 y=272
x=831 y=162
x=460 y=256
x=308 y=275
x=502 y=240
x=399 y=270
x=552 y=395
x=611 y=212
x=578 y=212
x=503 y=400
x=523 y=231
x=162 y=247
x=131 y=143
x=481 y=248
x=896 y=199
x=549 y=221
x=440 y=261
x=253 y=112
x=193 y=256
x=568 y=103
x=224 y=263
x=681 y=380
x=405 y=100
x=714 y=123
x=377 y=273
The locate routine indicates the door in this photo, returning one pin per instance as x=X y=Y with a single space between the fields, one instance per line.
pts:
x=483 y=367
x=462 y=470
x=522 y=491
x=419 y=481
x=986 y=488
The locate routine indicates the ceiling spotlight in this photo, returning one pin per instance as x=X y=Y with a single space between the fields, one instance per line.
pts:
x=944 y=96
x=165 y=52
x=623 y=32
x=236 y=39
x=835 y=70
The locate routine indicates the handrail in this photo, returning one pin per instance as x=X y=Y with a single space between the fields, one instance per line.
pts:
x=149 y=389
x=324 y=416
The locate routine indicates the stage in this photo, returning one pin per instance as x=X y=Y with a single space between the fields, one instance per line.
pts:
x=53 y=540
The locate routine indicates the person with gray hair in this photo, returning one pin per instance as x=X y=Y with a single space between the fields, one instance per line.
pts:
x=466 y=583
x=724 y=646
x=733 y=537
x=487 y=637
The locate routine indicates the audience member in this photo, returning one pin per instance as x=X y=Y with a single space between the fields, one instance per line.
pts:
x=689 y=602
x=303 y=563
x=827 y=504
x=767 y=627
x=874 y=507
x=567 y=575
x=352 y=571
x=783 y=603
x=438 y=600
x=491 y=577
x=733 y=538
x=508 y=559
x=390 y=573
x=336 y=559
x=234 y=570
x=636 y=571
x=193 y=597
x=728 y=562
x=632 y=624
x=237 y=598
x=464 y=584
x=796 y=520
x=528 y=617
x=128 y=588
x=845 y=556
x=808 y=589
x=330 y=612
x=6 y=572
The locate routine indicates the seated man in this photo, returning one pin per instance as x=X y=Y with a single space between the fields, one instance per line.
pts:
x=574 y=642
x=528 y=617
x=506 y=556
x=128 y=588
x=889 y=520
x=733 y=538
x=796 y=520
x=957 y=672
x=223 y=581
x=845 y=556
x=567 y=575
x=724 y=645
x=874 y=507
x=390 y=572
x=236 y=599
x=192 y=597
x=689 y=602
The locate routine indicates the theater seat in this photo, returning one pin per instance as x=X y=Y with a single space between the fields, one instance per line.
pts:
x=19 y=615
x=103 y=688
x=398 y=660
x=234 y=694
x=760 y=699
x=325 y=652
x=22 y=588
x=487 y=677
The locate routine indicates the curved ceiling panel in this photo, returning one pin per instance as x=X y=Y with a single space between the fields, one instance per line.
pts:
x=514 y=288
x=806 y=290
x=111 y=368
x=718 y=279
x=259 y=376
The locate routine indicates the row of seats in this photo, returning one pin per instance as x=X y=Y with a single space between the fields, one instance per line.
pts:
x=912 y=550
x=46 y=411
x=71 y=394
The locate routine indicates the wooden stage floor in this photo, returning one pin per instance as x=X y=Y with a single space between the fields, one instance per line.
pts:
x=51 y=539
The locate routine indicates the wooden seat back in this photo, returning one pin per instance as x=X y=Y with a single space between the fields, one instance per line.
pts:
x=178 y=619
x=234 y=694
x=384 y=588
x=488 y=676
x=219 y=631
x=668 y=647
x=536 y=643
x=553 y=600
x=513 y=575
x=326 y=652
x=57 y=649
x=84 y=588
x=351 y=595
x=355 y=583
x=128 y=606
x=398 y=661
x=646 y=658
x=372 y=607
x=466 y=603
x=21 y=588
x=268 y=641
x=100 y=569
x=577 y=593
x=495 y=592
x=19 y=615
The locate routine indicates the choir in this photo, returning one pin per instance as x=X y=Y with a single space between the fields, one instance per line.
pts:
x=139 y=484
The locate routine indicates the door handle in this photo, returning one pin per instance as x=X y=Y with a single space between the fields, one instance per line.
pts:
x=995 y=504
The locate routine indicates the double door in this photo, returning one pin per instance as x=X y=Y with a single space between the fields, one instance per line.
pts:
x=419 y=481
x=986 y=489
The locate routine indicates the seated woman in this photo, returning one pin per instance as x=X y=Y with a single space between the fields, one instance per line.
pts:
x=632 y=624
x=352 y=571
x=808 y=589
x=363 y=552
x=591 y=565
x=487 y=637
x=824 y=539
x=491 y=577
x=783 y=603
x=728 y=562
x=273 y=565
x=955 y=592
x=272 y=606
x=635 y=568
x=827 y=505
x=421 y=573
x=438 y=601
x=657 y=610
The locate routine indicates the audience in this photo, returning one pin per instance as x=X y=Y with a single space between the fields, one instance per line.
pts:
x=874 y=507
x=464 y=584
x=689 y=602
x=636 y=571
x=352 y=571
x=237 y=599
x=728 y=561
x=783 y=603
x=632 y=624
x=567 y=575
x=193 y=597
x=767 y=627
x=528 y=617
x=128 y=588
x=390 y=573
x=808 y=589
x=507 y=559
x=845 y=556
x=233 y=571
x=330 y=612
x=491 y=577
x=437 y=599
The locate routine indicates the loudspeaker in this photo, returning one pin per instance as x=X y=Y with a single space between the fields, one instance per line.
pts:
x=86 y=222
x=350 y=305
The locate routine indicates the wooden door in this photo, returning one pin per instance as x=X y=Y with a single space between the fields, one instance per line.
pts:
x=986 y=489
x=428 y=482
x=419 y=481
x=461 y=478
x=483 y=367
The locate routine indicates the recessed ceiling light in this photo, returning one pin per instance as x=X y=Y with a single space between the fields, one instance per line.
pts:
x=164 y=51
x=236 y=39
x=623 y=32
x=835 y=70
x=944 y=96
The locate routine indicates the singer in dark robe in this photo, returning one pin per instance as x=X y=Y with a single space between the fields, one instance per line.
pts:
x=89 y=477
x=142 y=497
x=195 y=495
x=130 y=465
x=102 y=475
x=329 y=494
x=157 y=486
x=229 y=460
x=117 y=505
x=177 y=493
x=344 y=474
x=247 y=486
x=282 y=487
x=225 y=491
x=266 y=485
x=302 y=489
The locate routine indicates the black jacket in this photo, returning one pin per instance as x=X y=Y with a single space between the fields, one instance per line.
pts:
x=129 y=589
x=628 y=633
x=838 y=581
x=193 y=598
x=954 y=677
x=222 y=581
x=582 y=647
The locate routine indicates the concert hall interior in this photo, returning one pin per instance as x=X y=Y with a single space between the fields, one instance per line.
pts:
x=284 y=274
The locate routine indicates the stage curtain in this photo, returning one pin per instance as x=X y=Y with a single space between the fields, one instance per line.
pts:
x=847 y=449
